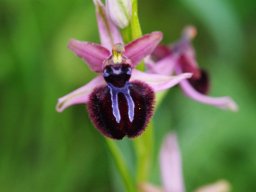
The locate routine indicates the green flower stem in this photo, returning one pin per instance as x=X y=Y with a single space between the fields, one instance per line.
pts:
x=135 y=23
x=144 y=151
x=126 y=34
x=136 y=31
x=159 y=97
x=121 y=165
x=133 y=30
x=143 y=144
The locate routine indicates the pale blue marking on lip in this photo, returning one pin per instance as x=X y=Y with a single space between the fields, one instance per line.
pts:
x=130 y=105
x=115 y=107
x=114 y=91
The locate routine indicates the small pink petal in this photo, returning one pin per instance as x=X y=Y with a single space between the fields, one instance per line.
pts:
x=221 y=102
x=109 y=34
x=79 y=96
x=184 y=47
x=140 y=48
x=147 y=187
x=93 y=54
x=189 y=34
x=171 y=165
x=159 y=82
x=219 y=186
x=164 y=66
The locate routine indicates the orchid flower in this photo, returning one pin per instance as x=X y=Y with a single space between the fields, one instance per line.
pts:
x=171 y=171
x=179 y=58
x=120 y=99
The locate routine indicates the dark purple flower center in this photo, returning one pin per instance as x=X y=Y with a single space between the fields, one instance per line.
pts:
x=117 y=74
x=117 y=77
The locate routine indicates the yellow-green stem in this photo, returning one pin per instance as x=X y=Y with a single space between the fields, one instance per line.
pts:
x=143 y=144
x=121 y=165
x=144 y=151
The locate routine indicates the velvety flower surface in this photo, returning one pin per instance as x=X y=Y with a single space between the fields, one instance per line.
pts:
x=120 y=99
x=179 y=58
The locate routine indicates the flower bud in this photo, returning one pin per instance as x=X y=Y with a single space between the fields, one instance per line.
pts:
x=120 y=12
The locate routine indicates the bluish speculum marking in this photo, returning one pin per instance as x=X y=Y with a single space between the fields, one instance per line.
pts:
x=117 y=77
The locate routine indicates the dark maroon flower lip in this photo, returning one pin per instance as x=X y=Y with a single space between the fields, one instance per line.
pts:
x=121 y=108
x=126 y=123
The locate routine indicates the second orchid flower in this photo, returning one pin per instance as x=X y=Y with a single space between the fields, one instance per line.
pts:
x=179 y=58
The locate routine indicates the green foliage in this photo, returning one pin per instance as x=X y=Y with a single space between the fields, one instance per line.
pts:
x=41 y=150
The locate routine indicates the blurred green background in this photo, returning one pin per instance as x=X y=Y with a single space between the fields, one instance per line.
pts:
x=42 y=150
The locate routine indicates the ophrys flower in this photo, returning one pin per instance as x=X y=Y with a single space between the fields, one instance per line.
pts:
x=179 y=58
x=120 y=99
